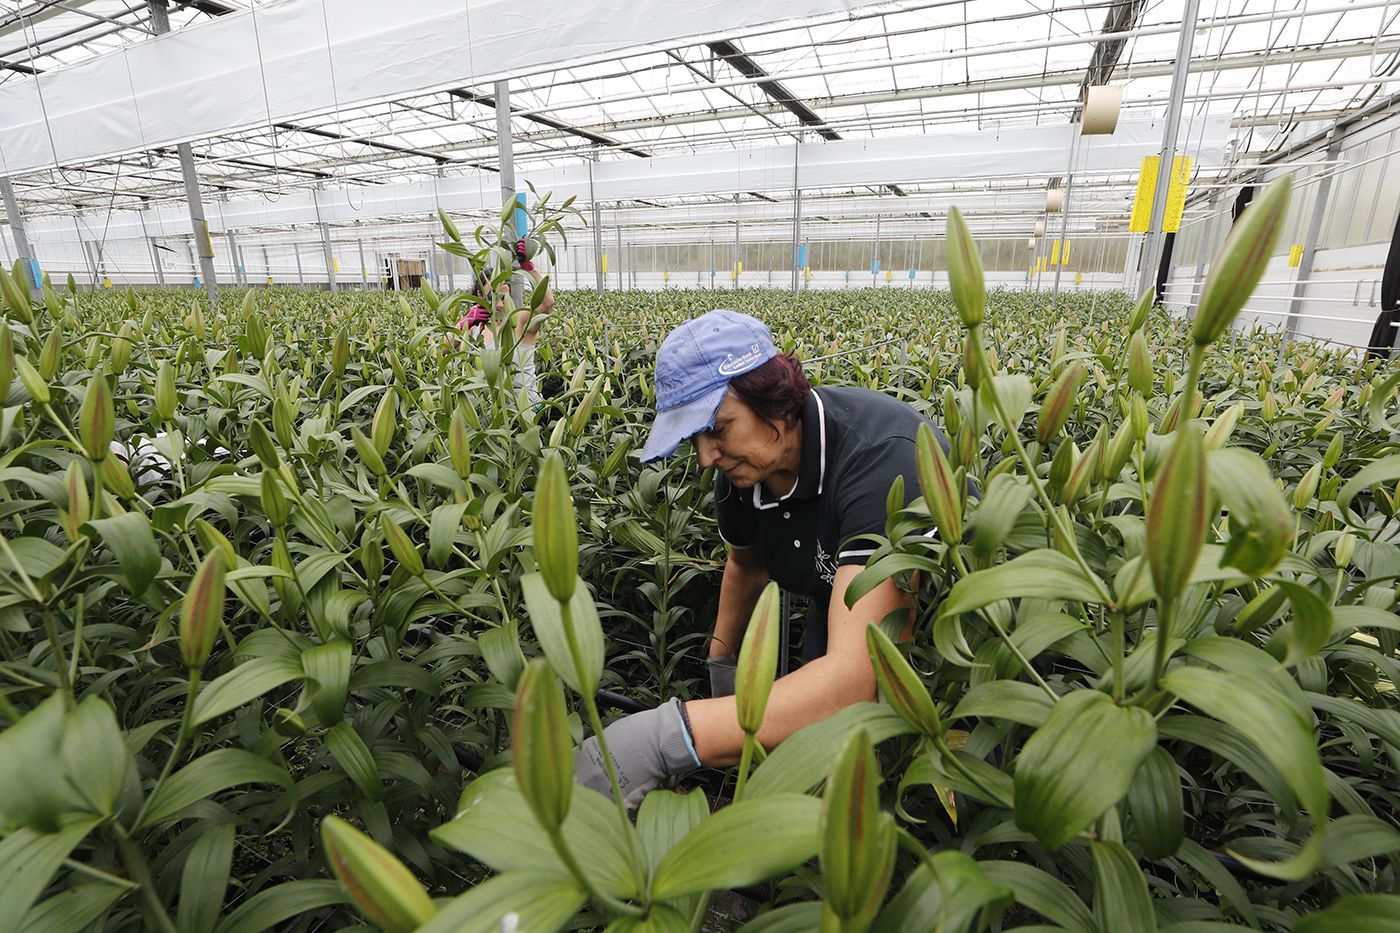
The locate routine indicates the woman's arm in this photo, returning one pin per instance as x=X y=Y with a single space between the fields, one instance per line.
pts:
x=536 y=318
x=813 y=692
x=739 y=589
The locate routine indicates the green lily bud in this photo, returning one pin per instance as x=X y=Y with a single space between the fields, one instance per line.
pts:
x=459 y=444
x=491 y=364
x=131 y=301
x=556 y=530
x=1333 y=453
x=1139 y=364
x=1137 y=416
x=371 y=556
x=857 y=839
x=274 y=504
x=558 y=433
x=379 y=885
x=1116 y=454
x=758 y=660
x=52 y=353
x=401 y=545
x=1085 y=470
x=1059 y=402
x=93 y=353
x=1176 y=515
x=965 y=272
x=1140 y=310
x=115 y=478
x=281 y=558
x=585 y=408
x=340 y=353
x=1062 y=464
x=1058 y=351
x=263 y=445
x=540 y=745
x=1240 y=264
x=936 y=480
x=449 y=226
x=966 y=447
x=900 y=684
x=15 y=298
x=1344 y=549
x=972 y=361
x=1219 y=434
x=165 y=395
x=430 y=296
x=283 y=425
x=79 y=506
x=97 y=419
x=469 y=412
x=34 y=384
x=1307 y=487
x=368 y=455
x=952 y=417
x=7 y=360
x=202 y=612
x=381 y=429
x=197 y=322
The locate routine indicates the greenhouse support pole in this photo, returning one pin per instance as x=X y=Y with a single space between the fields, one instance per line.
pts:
x=296 y=252
x=736 y=240
x=364 y=269
x=875 y=263
x=325 y=241
x=21 y=237
x=620 y=284
x=234 y=260
x=796 y=224
x=1064 y=220
x=267 y=262
x=155 y=261
x=597 y=228
x=204 y=247
x=1305 y=264
x=506 y=157
x=1147 y=271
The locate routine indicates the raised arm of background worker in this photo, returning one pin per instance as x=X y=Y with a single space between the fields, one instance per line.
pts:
x=816 y=690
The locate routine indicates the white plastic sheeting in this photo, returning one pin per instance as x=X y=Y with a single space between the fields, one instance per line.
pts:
x=286 y=60
x=1033 y=151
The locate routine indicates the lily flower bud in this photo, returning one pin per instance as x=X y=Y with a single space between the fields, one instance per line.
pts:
x=380 y=886
x=1239 y=266
x=1176 y=515
x=936 y=480
x=540 y=745
x=857 y=838
x=97 y=419
x=965 y=272
x=556 y=530
x=900 y=684
x=401 y=545
x=202 y=612
x=758 y=660
x=1059 y=402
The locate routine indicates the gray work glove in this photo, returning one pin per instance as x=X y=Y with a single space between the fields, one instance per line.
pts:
x=722 y=675
x=646 y=748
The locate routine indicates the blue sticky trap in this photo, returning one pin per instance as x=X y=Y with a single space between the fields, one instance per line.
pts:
x=36 y=275
x=848 y=275
x=802 y=256
x=912 y=272
x=522 y=217
x=197 y=282
x=874 y=267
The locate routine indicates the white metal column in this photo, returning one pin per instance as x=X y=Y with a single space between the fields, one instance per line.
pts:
x=24 y=254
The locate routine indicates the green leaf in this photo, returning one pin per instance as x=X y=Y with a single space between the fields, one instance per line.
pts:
x=803 y=759
x=130 y=539
x=33 y=556
x=1296 y=867
x=720 y=852
x=206 y=776
x=1005 y=498
x=446 y=521
x=548 y=622
x=495 y=826
x=1121 y=900
x=1005 y=699
x=537 y=900
x=1375 y=913
x=1209 y=867
x=1043 y=893
x=1244 y=699
x=94 y=756
x=29 y=859
x=354 y=758
x=794 y=918
x=75 y=908
x=1080 y=763
x=439 y=475
x=1380 y=397
x=29 y=748
x=1044 y=574
x=500 y=649
x=1261 y=524
x=268 y=908
x=1384 y=470
x=953 y=894
x=663 y=820
x=1356 y=837
x=244 y=683
x=328 y=667
x=204 y=880
x=1154 y=799
x=1312 y=622
x=1384 y=723
x=883 y=569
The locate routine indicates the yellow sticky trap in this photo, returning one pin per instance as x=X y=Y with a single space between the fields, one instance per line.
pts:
x=1295 y=256
x=1055 y=253
x=1176 y=194
x=335 y=265
x=1142 y=200
x=1064 y=259
x=738 y=268
x=666 y=276
x=1078 y=277
x=106 y=282
x=269 y=280
x=605 y=263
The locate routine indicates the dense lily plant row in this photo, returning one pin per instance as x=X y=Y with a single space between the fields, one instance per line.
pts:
x=302 y=612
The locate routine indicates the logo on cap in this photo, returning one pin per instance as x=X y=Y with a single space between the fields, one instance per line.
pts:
x=734 y=366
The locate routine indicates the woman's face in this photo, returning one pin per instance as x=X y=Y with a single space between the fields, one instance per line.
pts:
x=741 y=445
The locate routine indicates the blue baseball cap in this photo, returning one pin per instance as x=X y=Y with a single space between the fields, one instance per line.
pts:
x=693 y=369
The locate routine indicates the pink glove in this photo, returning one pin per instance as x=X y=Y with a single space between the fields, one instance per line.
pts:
x=524 y=263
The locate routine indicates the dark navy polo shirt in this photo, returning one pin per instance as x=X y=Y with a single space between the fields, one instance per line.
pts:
x=854 y=443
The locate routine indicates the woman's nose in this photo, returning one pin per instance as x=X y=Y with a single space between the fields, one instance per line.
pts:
x=707 y=450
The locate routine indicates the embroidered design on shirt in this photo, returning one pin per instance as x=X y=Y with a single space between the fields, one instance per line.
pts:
x=826 y=567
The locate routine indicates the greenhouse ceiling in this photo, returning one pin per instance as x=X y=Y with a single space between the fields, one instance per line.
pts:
x=1274 y=72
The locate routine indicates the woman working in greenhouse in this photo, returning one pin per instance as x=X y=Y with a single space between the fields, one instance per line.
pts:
x=476 y=323
x=804 y=473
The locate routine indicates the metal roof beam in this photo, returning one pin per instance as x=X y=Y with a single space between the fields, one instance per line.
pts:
x=486 y=100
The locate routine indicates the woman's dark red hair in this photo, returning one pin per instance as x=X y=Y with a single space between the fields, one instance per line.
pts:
x=776 y=391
